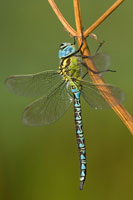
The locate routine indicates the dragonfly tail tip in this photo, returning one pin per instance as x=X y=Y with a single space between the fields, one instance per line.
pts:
x=81 y=185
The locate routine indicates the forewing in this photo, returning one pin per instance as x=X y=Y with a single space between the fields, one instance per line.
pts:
x=93 y=96
x=33 y=85
x=48 y=109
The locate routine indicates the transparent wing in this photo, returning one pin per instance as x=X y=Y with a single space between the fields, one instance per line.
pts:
x=47 y=110
x=33 y=85
x=101 y=61
x=94 y=98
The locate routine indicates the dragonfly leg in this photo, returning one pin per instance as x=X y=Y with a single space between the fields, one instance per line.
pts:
x=82 y=37
x=84 y=75
x=74 y=40
x=94 y=36
x=89 y=57
x=96 y=72
x=99 y=46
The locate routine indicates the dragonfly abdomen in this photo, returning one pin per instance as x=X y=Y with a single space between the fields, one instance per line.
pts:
x=79 y=135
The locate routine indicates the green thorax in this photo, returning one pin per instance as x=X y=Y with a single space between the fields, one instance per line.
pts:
x=70 y=70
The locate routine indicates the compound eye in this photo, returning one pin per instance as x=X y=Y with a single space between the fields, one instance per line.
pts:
x=71 y=49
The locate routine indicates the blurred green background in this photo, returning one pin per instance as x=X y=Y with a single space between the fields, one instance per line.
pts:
x=39 y=163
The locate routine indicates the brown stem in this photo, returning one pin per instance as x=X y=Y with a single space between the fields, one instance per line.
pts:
x=62 y=19
x=78 y=20
x=103 y=17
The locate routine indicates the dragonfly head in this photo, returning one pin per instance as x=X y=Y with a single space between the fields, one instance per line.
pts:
x=66 y=49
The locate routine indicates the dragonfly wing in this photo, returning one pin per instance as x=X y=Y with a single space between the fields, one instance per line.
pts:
x=48 y=109
x=33 y=85
x=101 y=61
x=92 y=95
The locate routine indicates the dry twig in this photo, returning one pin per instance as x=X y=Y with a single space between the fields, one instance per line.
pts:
x=112 y=101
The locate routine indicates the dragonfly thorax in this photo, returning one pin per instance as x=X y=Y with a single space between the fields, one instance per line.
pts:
x=66 y=49
x=69 y=69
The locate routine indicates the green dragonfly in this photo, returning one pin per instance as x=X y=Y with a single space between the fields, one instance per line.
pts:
x=57 y=89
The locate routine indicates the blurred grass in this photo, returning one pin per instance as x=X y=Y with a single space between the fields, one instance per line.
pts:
x=42 y=162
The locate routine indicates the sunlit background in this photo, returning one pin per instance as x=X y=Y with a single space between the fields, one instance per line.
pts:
x=38 y=163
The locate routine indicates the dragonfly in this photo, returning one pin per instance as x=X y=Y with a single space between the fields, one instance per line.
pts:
x=57 y=89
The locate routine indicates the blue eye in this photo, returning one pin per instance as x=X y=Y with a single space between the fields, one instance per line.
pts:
x=71 y=49
x=60 y=54
x=66 y=49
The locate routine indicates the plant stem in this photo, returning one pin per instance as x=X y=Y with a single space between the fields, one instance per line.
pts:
x=103 y=17
x=62 y=19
